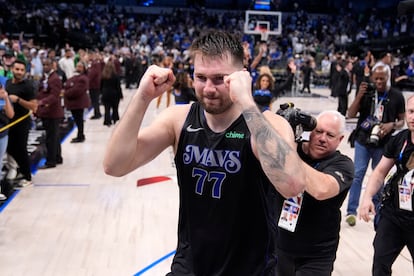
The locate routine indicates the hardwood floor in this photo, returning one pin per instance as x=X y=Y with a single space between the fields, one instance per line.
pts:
x=75 y=220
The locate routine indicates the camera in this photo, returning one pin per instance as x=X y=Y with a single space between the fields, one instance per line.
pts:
x=372 y=125
x=298 y=120
x=374 y=135
x=371 y=89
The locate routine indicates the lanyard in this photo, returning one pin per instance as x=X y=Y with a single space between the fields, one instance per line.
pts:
x=402 y=150
x=379 y=103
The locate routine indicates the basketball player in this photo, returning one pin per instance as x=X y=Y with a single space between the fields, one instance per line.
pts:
x=228 y=156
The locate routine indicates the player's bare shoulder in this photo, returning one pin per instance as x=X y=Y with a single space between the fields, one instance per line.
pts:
x=175 y=116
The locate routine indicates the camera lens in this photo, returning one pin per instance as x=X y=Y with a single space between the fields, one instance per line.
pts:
x=374 y=137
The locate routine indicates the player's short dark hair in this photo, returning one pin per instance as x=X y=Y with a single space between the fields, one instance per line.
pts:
x=217 y=43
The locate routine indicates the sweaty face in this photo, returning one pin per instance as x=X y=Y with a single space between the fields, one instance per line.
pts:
x=209 y=84
x=325 y=138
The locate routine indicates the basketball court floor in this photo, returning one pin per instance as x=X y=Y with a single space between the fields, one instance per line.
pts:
x=75 y=220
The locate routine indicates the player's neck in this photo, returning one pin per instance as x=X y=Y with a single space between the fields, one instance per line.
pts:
x=220 y=122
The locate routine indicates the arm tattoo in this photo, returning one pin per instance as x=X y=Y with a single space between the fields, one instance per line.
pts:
x=271 y=147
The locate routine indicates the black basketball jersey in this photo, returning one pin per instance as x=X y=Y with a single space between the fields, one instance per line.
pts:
x=223 y=226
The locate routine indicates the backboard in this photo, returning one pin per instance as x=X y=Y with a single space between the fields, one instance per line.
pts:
x=260 y=22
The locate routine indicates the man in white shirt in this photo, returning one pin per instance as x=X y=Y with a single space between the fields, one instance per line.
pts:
x=67 y=63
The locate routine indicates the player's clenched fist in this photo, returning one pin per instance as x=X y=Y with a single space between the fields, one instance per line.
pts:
x=155 y=81
x=240 y=87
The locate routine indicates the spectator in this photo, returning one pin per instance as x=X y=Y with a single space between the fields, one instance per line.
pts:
x=111 y=93
x=275 y=55
x=260 y=59
x=94 y=76
x=77 y=99
x=334 y=74
x=22 y=95
x=288 y=83
x=359 y=69
x=131 y=68
x=50 y=111
x=343 y=85
x=167 y=62
x=6 y=113
x=264 y=91
x=6 y=65
x=36 y=67
x=61 y=74
x=183 y=90
x=306 y=73
x=325 y=65
x=67 y=63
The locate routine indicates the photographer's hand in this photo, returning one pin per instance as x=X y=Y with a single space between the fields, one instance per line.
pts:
x=386 y=128
x=362 y=90
x=366 y=209
x=354 y=107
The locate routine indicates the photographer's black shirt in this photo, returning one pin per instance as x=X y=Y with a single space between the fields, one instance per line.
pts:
x=401 y=149
x=393 y=104
x=318 y=225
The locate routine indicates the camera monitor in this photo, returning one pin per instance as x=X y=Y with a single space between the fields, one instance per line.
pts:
x=263 y=23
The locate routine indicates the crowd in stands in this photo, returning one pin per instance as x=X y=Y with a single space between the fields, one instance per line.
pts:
x=127 y=31
x=121 y=29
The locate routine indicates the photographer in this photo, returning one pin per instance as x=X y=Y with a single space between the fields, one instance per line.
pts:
x=396 y=226
x=309 y=224
x=381 y=110
x=343 y=84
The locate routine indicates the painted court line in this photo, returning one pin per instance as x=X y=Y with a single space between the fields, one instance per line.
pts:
x=142 y=271
x=9 y=199
x=61 y=185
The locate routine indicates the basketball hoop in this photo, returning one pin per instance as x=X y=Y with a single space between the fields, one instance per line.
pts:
x=263 y=23
x=264 y=34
